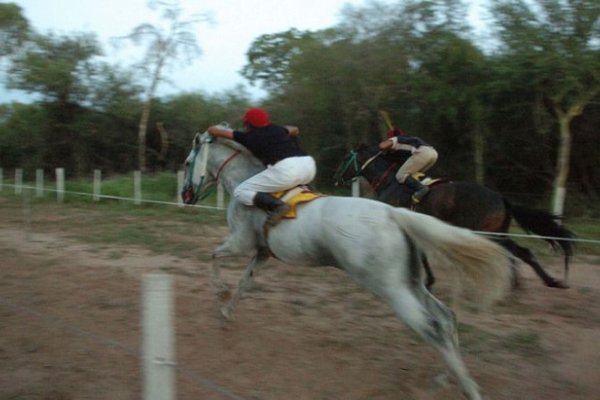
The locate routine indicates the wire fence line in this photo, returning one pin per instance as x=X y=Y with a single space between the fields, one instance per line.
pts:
x=221 y=208
x=107 y=341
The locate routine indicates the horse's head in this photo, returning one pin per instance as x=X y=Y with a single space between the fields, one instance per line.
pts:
x=197 y=180
x=210 y=161
x=351 y=165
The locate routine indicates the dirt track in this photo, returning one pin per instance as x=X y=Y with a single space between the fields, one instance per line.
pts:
x=69 y=326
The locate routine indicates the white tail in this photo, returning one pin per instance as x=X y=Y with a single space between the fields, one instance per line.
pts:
x=484 y=263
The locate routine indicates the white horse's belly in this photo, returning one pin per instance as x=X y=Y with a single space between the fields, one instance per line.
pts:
x=335 y=232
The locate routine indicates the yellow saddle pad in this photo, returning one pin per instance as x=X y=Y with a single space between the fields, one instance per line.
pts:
x=298 y=195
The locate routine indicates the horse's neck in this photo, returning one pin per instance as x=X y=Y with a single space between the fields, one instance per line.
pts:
x=379 y=174
x=233 y=169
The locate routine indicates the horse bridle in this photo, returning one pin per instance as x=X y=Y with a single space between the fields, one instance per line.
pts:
x=353 y=161
x=200 y=191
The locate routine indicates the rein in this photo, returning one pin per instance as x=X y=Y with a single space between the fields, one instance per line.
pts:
x=222 y=166
x=369 y=161
x=379 y=180
x=353 y=160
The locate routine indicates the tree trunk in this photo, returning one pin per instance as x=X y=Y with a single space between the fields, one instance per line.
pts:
x=562 y=166
x=564 y=156
x=164 y=143
x=143 y=127
x=478 y=146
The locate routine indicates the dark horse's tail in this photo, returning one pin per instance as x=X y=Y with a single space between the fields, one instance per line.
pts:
x=544 y=224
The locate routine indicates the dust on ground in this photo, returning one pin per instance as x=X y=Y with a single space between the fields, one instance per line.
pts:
x=70 y=327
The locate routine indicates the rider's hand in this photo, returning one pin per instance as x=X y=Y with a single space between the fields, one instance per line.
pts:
x=386 y=145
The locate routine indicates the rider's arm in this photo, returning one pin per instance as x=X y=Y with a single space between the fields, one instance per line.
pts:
x=220 y=132
x=292 y=130
x=386 y=144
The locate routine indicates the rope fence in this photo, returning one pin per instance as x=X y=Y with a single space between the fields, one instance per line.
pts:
x=138 y=200
x=27 y=190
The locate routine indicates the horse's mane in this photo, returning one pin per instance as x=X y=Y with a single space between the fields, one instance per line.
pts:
x=232 y=144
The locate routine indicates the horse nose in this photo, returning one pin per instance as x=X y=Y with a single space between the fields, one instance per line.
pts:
x=187 y=195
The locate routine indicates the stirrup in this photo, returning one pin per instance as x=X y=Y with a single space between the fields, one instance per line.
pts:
x=274 y=217
x=418 y=195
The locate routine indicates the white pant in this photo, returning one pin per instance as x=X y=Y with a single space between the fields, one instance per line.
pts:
x=284 y=175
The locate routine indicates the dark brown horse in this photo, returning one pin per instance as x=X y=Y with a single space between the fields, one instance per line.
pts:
x=465 y=204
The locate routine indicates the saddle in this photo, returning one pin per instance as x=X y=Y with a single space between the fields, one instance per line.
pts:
x=298 y=195
x=428 y=180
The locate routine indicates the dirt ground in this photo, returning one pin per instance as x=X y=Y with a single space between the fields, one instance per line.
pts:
x=70 y=325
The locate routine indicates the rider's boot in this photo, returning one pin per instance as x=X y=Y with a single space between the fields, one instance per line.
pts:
x=275 y=208
x=419 y=190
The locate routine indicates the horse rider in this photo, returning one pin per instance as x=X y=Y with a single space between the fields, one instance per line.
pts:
x=287 y=165
x=422 y=157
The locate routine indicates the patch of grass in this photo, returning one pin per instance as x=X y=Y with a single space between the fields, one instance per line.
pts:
x=29 y=345
x=475 y=340
x=524 y=343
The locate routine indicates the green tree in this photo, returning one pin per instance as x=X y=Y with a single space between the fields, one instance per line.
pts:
x=58 y=68
x=556 y=45
x=14 y=28
x=87 y=104
x=164 y=46
x=270 y=56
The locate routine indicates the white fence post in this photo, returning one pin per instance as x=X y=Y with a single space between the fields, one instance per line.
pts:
x=180 y=176
x=158 y=340
x=355 y=188
x=96 y=184
x=18 y=180
x=39 y=182
x=137 y=187
x=60 y=184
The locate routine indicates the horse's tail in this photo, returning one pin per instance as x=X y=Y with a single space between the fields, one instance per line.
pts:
x=482 y=262
x=544 y=224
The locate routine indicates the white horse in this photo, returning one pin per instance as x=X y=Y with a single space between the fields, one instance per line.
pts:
x=378 y=246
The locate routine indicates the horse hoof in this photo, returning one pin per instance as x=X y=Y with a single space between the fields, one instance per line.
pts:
x=559 y=285
x=224 y=294
x=226 y=313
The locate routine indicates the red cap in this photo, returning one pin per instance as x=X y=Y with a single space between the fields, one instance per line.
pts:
x=256 y=117
x=395 y=132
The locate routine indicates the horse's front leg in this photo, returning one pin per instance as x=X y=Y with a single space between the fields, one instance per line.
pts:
x=223 y=250
x=257 y=261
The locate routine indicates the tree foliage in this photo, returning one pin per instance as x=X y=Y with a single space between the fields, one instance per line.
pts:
x=164 y=46
x=14 y=29
x=556 y=45
x=498 y=112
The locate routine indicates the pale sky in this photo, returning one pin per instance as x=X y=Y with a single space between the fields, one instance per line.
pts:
x=224 y=43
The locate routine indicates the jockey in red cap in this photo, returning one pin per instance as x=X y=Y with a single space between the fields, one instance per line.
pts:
x=256 y=117
x=277 y=147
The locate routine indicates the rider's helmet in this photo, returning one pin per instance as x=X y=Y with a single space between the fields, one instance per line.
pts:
x=256 y=117
x=395 y=132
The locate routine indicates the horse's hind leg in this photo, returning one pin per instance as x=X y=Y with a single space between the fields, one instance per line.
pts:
x=436 y=324
x=260 y=257
x=527 y=256
x=430 y=279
